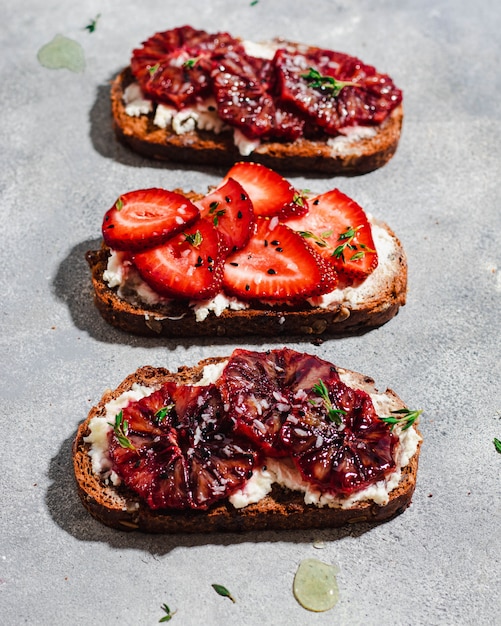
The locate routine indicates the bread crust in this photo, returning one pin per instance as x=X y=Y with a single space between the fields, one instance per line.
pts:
x=359 y=156
x=281 y=509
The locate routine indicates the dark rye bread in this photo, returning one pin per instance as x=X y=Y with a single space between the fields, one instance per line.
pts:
x=176 y=319
x=207 y=148
x=282 y=509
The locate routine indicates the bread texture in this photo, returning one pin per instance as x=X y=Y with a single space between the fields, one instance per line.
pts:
x=344 y=156
x=282 y=509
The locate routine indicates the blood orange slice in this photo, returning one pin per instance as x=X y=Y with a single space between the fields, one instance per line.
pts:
x=177 y=448
x=336 y=439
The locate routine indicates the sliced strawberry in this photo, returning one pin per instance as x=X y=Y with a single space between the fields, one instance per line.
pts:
x=270 y=193
x=185 y=455
x=276 y=264
x=230 y=210
x=146 y=218
x=261 y=387
x=338 y=228
x=337 y=441
x=189 y=265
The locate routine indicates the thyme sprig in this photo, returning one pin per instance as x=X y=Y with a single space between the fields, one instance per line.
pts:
x=320 y=240
x=405 y=419
x=333 y=414
x=222 y=591
x=92 y=25
x=326 y=83
x=168 y=614
x=346 y=238
x=497 y=444
x=121 y=430
x=216 y=212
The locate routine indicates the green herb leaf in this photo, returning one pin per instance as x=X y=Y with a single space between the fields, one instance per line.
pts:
x=307 y=234
x=406 y=418
x=162 y=413
x=347 y=238
x=222 y=591
x=168 y=615
x=497 y=444
x=190 y=63
x=153 y=69
x=91 y=27
x=195 y=239
x=121 y=429
x=326 y=83
x=119 y=204
x=217 y=213
x=333 y=414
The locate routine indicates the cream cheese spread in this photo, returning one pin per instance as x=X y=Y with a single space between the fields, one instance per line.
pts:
x=280 y=471
x=121 y=274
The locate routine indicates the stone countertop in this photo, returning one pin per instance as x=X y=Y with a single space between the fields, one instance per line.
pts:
x=61 y=167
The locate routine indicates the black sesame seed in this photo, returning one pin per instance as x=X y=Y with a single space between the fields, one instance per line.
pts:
x=233 y=263
x=239 y=215
x=247 y=287
x=275 y=242
x=210 y=259
x=271 y=271
x=316 y=201
x=243 y=196
x=228 y=199
x=279 y=249
x=265 y=243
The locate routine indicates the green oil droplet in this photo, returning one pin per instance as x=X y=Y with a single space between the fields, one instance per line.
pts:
x=60 y=53
x=315 y=585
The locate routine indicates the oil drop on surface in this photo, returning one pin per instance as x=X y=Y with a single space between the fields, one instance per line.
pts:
x=60 y=53
x=315 y=585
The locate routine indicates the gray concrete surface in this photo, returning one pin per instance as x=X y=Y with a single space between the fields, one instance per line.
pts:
x=61 y=167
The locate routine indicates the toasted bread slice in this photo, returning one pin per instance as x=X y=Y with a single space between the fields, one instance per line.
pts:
x=351 y=311
x=281 y=509
x=346 y=156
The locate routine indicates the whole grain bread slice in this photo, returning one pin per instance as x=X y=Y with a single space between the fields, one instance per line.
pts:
x=376 y=303
x=358 y=155
x=282 y=509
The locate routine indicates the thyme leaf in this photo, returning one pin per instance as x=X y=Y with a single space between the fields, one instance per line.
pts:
x=91 y=27
x=119 y=204
x=168 y=615
x=121 y=430
x=162 y=413
x=217 y=213
x=333 y=414
x=347 y=244
x=195 y=239
x=497 y=444
x=222 y=591
x=153 y=69
x=326 y=83
x=190 y=63
x=405 y=419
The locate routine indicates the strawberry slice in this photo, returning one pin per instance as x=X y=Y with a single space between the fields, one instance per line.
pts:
x=270 y=193
x=276 y=264
x=230 y=211
x=338 y=228
x=189 y=265
x=146 y=218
